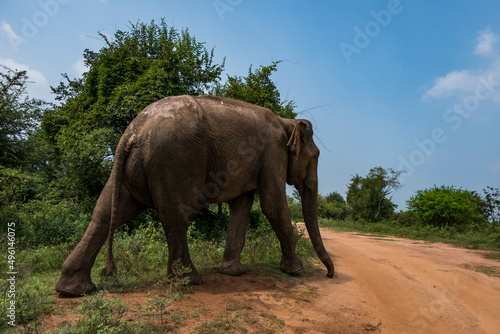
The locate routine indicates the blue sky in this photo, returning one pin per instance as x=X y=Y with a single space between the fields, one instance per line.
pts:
x=409 y=84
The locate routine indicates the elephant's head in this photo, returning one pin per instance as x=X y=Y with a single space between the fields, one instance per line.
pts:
x=302 y=173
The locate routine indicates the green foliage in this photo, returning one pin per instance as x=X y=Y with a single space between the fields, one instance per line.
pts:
x=140 y=256
x=16 y=186
x=368 y=197
x=447 y=206
x=43 y=259
x=134 y=69
x=30 y=303
x=491 y=199
x=102 y=315
x=179 y=284
x=332 y=206
x=257 y=88
x=475 y=237
x=179 y=281
x=210 y=225
x=257 y=220
x=158 y=305
x=45 y=222
x=19 y=116
x=295 y=208
x=406 y=218
x=262 y=248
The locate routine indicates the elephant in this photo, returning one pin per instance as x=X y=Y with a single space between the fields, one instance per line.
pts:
x=183 y=152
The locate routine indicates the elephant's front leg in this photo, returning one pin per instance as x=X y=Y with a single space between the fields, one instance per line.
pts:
x=274 y=206
x=236 y=231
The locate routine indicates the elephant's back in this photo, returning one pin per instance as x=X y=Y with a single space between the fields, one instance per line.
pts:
x=187 y=111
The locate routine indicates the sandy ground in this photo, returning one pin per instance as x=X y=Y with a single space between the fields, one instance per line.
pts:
x=382 y=285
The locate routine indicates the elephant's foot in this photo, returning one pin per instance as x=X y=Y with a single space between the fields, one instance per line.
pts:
x=291 y=266
x=74 y=286
x=233 y=268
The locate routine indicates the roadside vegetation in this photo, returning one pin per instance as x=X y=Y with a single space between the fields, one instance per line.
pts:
x=441 y=213
x=56 y=158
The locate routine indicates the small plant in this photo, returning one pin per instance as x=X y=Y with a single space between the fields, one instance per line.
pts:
x=102 y=315
x=29 y=309
x=158 y=305
x=221 y=324
x=31 y=302
x=178 y=283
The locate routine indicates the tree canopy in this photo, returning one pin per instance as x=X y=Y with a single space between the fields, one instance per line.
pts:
x=368 y=197
x=448 y=206
x=134 y=69
x=19 y=118
x=257 y=88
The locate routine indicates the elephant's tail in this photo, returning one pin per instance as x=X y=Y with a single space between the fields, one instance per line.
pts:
x=121 y=154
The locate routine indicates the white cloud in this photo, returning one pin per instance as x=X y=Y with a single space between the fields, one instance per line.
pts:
x=486 y=42
x=453 y=82
x=38 y=86
x=7 y=30
x=14 y=39
x=463 y=83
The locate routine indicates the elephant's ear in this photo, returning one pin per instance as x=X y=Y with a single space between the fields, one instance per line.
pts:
x=296 y=142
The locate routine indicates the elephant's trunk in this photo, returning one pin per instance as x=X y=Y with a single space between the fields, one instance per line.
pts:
x=309 y=195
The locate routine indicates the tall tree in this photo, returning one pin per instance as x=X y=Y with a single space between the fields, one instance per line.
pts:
x=257 y=88
x=369 y=197
x=491 y=199
x=332 y=206
x=132 y=70
x=19 y=118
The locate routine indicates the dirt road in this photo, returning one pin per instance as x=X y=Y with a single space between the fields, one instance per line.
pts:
x=412 y=286
x=382 y=285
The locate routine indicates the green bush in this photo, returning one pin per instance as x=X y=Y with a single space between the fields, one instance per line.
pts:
x=102 y=315
x=406 y=218
x=43 y=259
x=295 y=209
x=140 y=256
x=46 y=223
x=332 y=206
x=447 y=206
x=209 y=225
x=257 y=220
x=31 y=302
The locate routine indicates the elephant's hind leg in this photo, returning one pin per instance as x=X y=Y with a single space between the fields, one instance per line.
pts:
x=75 y=274
x=175 y=225
x=238 y=220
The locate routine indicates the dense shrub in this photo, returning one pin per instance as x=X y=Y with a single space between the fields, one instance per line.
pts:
x=475 y=236
x=295 y=209
x=332 y=206
x=406 y=218
x=41 y=222
x=447 y=206
x=210 y=225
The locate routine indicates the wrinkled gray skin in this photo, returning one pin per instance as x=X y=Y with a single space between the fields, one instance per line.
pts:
x=183 y=152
